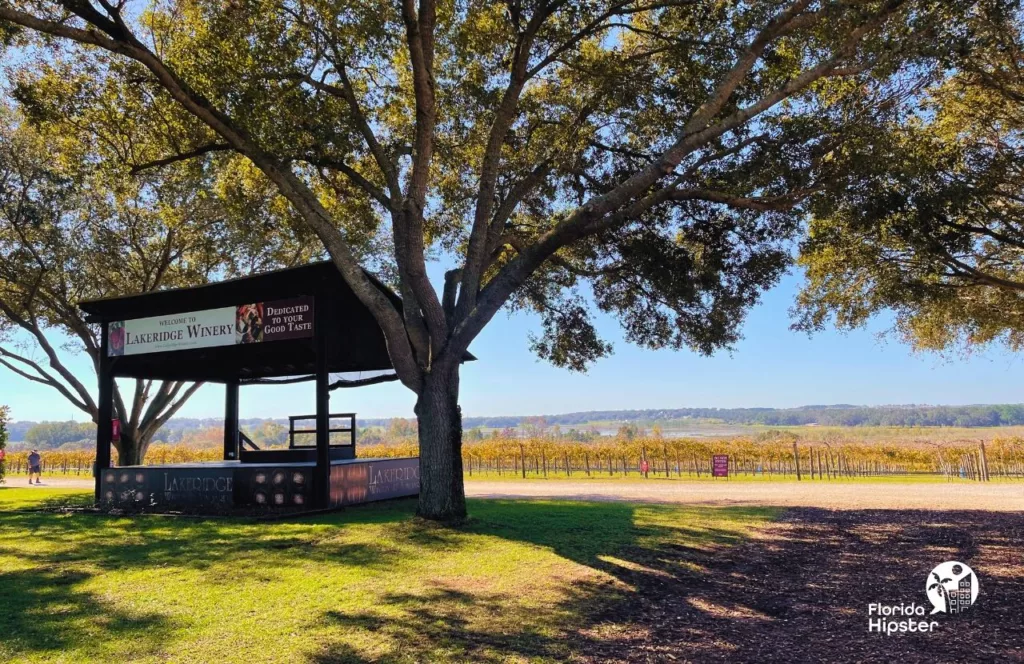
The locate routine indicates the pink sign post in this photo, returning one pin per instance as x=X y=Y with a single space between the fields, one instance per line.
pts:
x=720 y=465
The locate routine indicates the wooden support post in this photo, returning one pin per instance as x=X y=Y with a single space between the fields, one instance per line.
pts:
x=105 y=408
x=231 y=421
x=796 y=460
x=323 y=407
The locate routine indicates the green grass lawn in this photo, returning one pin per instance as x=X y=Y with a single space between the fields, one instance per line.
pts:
x=368 y=584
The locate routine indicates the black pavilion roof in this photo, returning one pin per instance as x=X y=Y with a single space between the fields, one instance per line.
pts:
x=354 y=339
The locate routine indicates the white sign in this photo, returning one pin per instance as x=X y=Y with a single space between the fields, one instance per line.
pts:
x=225 y=326
x=195 y=329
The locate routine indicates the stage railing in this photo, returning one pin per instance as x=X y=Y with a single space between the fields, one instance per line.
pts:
x=244 y=440
x=349 y=428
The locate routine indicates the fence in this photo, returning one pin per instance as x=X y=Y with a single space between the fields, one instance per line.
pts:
x=804 y=460
x=543 y=457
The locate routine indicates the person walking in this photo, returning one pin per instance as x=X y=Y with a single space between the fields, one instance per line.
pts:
x=34 y=463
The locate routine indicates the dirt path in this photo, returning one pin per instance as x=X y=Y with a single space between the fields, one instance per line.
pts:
x=50 y=482
x=831 y=495
x=1008 y=497
x=799 y=592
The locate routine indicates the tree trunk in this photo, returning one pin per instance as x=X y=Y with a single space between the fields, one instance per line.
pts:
x=131 y=449
x=442 y=494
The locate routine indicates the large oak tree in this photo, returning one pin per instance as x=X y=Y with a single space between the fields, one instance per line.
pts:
x=934 y=232
x=652 y=157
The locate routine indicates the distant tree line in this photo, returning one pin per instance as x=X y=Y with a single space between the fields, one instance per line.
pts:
x=267 y=432
x=51 y=435
x=839 y=415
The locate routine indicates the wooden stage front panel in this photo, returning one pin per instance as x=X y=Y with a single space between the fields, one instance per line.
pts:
x=225 y=485
x=379 y=479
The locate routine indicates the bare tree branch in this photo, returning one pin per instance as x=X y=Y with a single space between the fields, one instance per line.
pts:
x=44 y=378
x=114 y=39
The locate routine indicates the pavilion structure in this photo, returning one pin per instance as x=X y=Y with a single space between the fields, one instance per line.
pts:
x=291 y=325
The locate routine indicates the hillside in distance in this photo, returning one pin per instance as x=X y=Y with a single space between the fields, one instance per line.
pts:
x=821 y=415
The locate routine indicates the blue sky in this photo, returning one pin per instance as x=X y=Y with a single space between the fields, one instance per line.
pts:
x=771 y=366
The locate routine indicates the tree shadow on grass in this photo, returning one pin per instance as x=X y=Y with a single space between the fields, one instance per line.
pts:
x=626 y=546
x=45 y=610
x=458 y=626
x=481 y=625
x=677 y=581
x=112 y=543
x=691 y=590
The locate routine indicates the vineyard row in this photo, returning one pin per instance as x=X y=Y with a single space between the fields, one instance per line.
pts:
x=652 y=458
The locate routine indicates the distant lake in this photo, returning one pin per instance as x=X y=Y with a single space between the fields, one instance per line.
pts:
x=689 y=432
x=696 y=431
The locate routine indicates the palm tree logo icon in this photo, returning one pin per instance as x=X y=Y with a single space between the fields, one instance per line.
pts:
x=952 y=587
x=939 y=586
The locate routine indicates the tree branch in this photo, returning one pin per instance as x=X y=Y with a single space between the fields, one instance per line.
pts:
x=44 y=378
x=172 y=409
x=504 y=115
x=32 y=327
x=361 y=382
x=184 y=156
x=111 y=38
x=357 y=178
x=420 y=297
x=346 y=93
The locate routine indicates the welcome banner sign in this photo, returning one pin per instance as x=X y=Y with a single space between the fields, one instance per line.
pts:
x=225 y=326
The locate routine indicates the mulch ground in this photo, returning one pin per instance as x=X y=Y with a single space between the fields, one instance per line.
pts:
x=799 y=592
